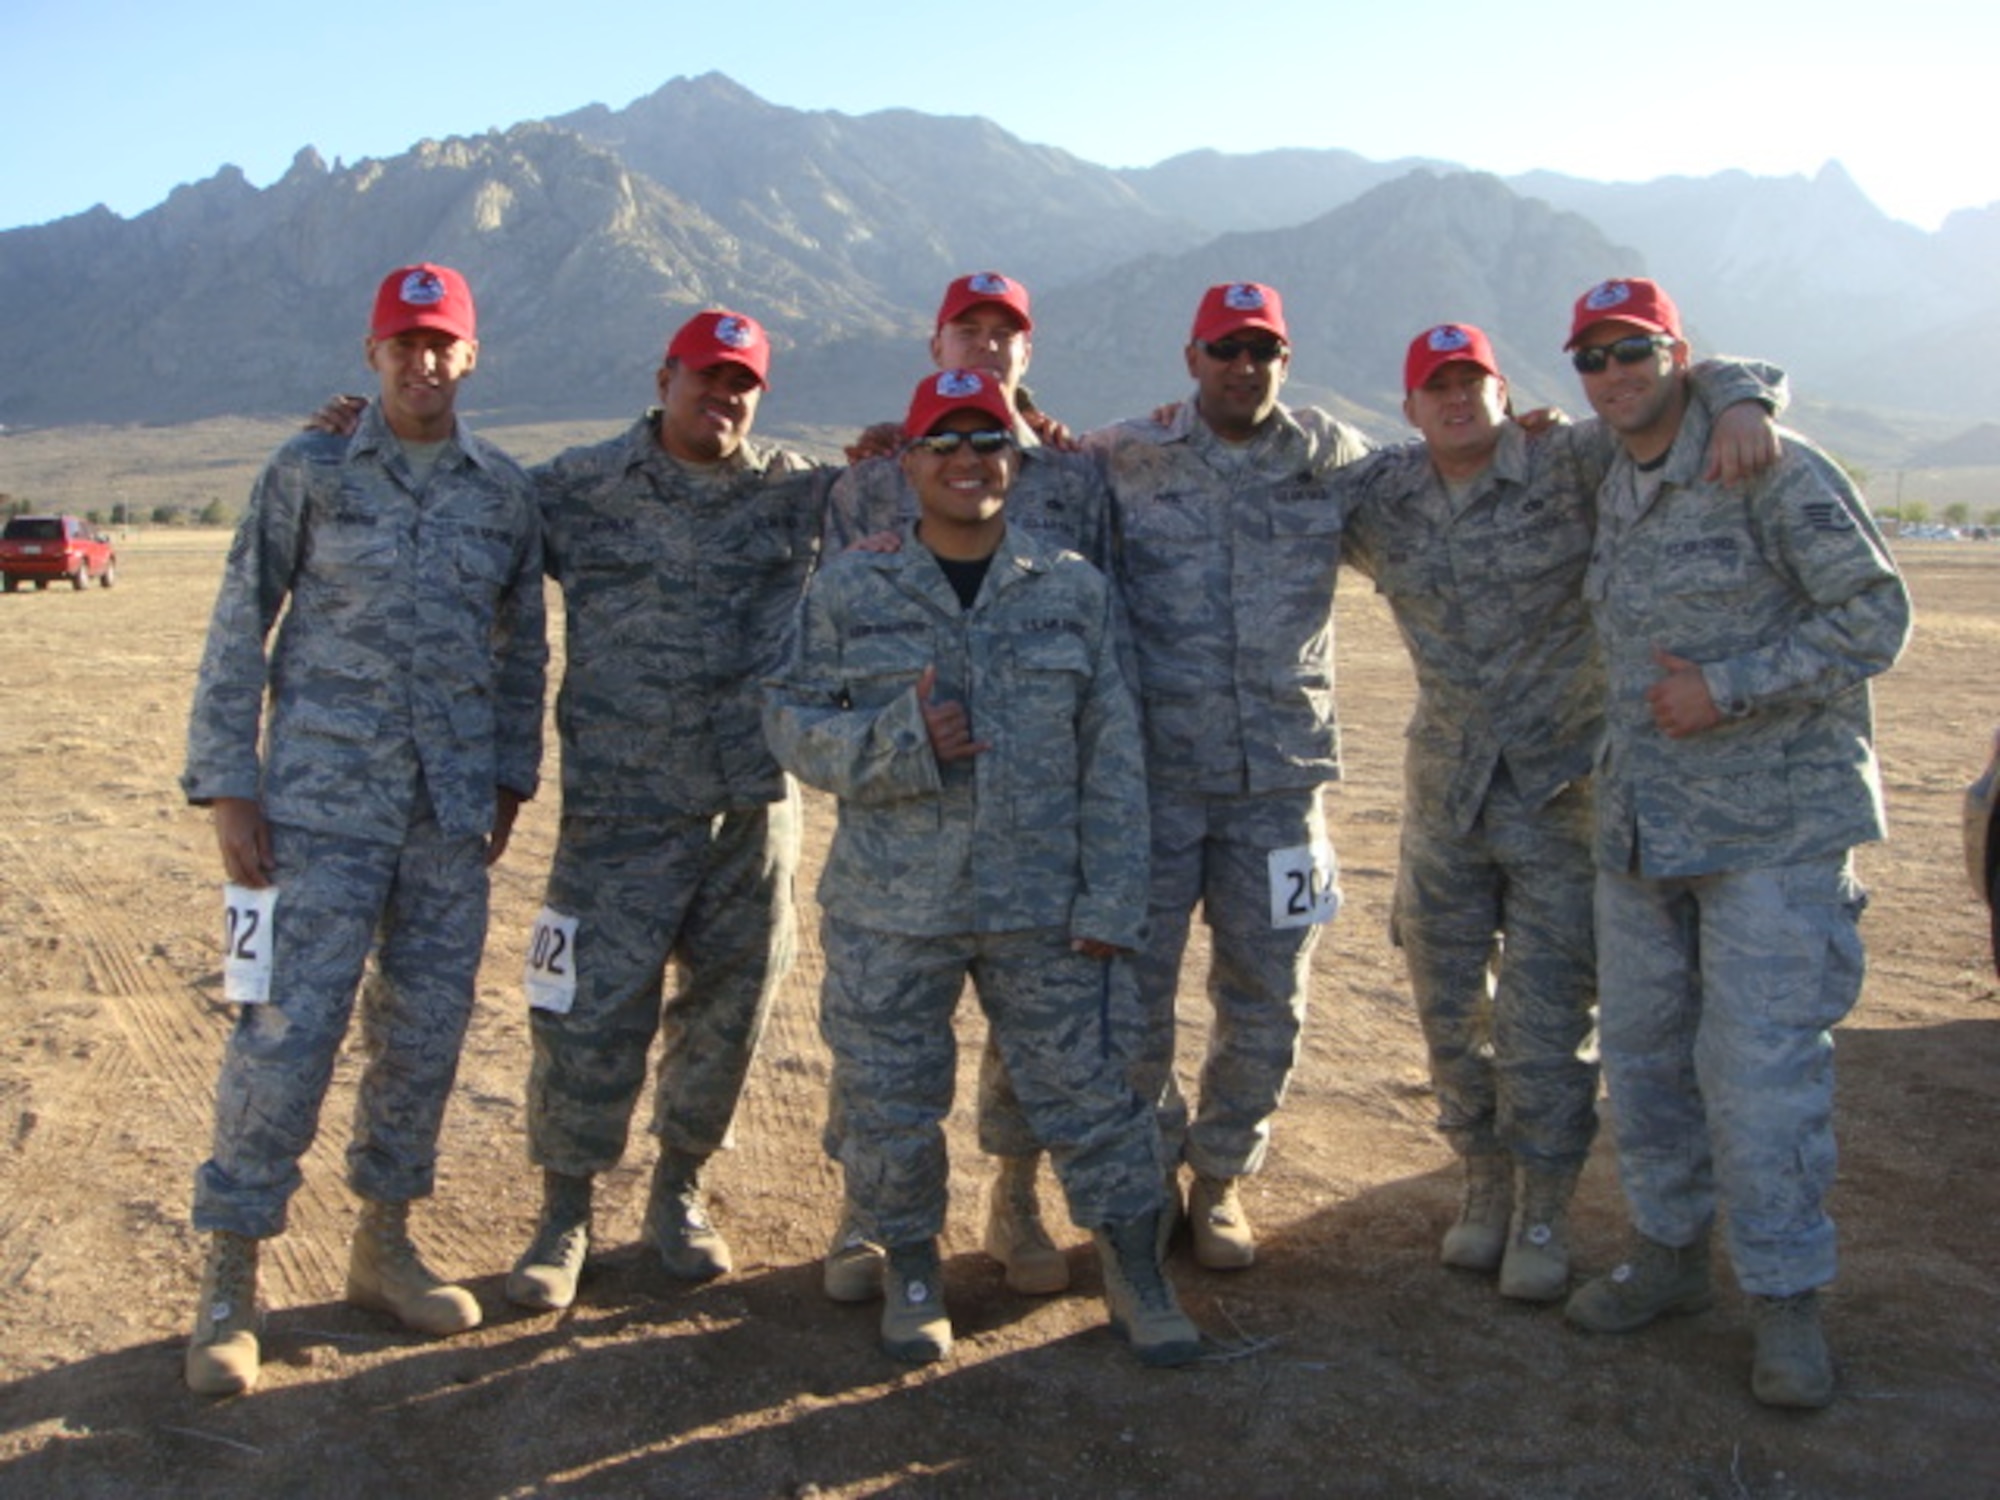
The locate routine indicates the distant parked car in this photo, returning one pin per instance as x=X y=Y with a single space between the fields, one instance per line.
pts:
x=43 y=549
x=1982 y=841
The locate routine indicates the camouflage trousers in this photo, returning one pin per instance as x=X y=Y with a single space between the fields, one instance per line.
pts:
x=1003 y=1125
x=1718 y=995
x=1495 y=927
x=716 y=894
x=886 y=1013
x=1215 y=851
x=421 y=907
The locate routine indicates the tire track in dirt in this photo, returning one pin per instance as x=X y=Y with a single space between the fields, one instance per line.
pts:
x=171 y=1040
x=52 y=1130
x=784 y=1103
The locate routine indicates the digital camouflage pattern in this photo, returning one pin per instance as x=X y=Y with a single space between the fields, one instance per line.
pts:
x=716 y=892
x=1783 y=591
x=1486 y=586
x=420 y=905
x=987 y=868
x=680 y=835
x=1727 y=907
x=1227 y=566
x=405 y=682
x=1045 y=829
x=1053 y=1015
x=1060 y=497
x=1227 y=559
x=412 y=650
x=1487 y=593
x=1720 y=995
x=1215 y=851
x=678 y=589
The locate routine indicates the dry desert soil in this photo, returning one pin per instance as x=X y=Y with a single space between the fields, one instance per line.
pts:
x=1348 y=1362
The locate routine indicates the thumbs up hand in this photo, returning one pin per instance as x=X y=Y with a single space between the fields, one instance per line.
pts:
x=949 y=725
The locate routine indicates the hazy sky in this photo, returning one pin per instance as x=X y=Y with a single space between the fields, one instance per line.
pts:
x=114 y=102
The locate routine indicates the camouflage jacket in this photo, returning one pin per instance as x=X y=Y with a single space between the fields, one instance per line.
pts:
x=1784 y=593
x=678 y=589
x=1047 y=827
x=1488 y=595
x=412 y=649
x=1227 y=565
x=1487 y=590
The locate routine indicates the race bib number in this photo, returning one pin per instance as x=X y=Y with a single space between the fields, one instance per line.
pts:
x=551 y=973
x=1305 y=885
x=247 y=917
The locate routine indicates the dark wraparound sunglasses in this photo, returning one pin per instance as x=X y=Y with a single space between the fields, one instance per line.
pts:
x=1261 y=351
x=1629 y=350
x=986 y=441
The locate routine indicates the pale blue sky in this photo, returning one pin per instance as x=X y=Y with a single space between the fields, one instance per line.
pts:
x=117 y=102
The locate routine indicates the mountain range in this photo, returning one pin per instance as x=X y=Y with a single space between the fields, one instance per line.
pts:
x=590 y=236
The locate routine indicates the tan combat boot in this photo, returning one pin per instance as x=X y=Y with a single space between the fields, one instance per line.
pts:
x=222 y=1357
x=1141 y=1300
x=1792 y=1366
x=1014 y=1233
x=1479 y=1238
x=385 y=1274
x=915 y=1326
x=1536 y=1267
x=1656 y=1280
x=546 y=1275
x=854 y=1265
x=677 y=1221
x=1223 y=1238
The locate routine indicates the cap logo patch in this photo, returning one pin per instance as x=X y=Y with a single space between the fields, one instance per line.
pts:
x=987 y=284
x=422 y=289
x=1449 y=338
x=1608 y=294
x=1242 y=297
x=733 y=333
x=956 y=383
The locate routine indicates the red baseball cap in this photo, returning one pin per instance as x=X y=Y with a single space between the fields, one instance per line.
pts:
x=982 y=287
x=1237 y=305
x=1446 y=344
x=723 y=337
x=423 y=296
x=937 y=396
x=1627 y=299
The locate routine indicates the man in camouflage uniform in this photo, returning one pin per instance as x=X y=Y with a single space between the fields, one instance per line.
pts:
x=1478 y=537
x=962 y=697
x=1229 y=538
x=681 y=548
x=1740 y=626
x=984 y=323
x=405 y=692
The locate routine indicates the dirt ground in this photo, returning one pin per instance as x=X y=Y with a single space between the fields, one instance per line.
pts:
x=1349 y=1362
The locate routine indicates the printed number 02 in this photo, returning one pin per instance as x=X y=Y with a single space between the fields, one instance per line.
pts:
x=546 y=953
x=242 y=935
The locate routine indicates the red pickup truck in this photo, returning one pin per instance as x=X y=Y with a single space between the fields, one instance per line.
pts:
x=41 y=549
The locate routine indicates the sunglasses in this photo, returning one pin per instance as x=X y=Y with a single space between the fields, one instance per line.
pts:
x=1261 y=351
x=985 y=442
x=1629 y=350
